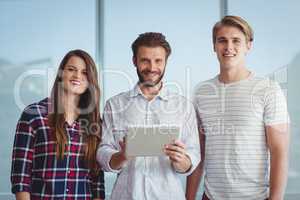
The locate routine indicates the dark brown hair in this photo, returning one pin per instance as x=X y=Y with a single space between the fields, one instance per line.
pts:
x=151 y=39
x=90 y=98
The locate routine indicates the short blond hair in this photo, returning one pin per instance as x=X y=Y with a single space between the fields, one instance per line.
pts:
x=234 y=21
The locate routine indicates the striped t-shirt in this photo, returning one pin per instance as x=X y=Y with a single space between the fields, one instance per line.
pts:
x=233 y=117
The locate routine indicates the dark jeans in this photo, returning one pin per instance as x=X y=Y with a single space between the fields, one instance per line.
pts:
x=204 y=197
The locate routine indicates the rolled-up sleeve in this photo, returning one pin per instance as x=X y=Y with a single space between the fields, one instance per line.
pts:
x=108 y=145
x=190 y=137
x=22 y=155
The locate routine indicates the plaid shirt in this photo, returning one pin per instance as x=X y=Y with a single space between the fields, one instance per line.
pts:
x=35 y=168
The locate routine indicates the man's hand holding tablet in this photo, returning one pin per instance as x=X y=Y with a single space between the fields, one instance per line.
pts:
x=158 y=140
x=178 y=156
x=118 y=159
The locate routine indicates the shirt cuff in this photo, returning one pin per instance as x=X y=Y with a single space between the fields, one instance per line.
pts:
x=194 y=163
x=104 y=156
x=20 y=187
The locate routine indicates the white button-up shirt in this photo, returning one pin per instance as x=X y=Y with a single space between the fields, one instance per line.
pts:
x=147 y=177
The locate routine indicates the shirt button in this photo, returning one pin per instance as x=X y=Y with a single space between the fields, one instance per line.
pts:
x=69 y=171
x=67 y=190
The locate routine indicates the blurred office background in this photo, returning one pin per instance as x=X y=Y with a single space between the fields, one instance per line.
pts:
x=35 y=35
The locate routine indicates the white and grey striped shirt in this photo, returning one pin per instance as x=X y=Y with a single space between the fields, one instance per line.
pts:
x=233 y=117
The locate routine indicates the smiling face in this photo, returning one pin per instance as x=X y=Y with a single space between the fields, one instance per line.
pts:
x=150 y=63
x=231 y=47
x=74 y=76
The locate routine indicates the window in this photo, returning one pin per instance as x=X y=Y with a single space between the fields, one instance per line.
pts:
x=276 y=54
x=34 y=37
x=187 y=27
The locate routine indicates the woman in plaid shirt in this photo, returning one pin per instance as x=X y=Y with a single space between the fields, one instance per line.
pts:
x=54 y=154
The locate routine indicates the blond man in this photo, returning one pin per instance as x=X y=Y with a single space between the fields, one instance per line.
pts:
x=243 y=125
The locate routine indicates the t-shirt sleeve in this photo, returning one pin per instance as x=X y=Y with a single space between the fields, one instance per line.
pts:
x=275 y=110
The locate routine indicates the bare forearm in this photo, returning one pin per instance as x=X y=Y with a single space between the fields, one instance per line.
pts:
x=22 y=196
x=278 y=144
x=278 y=175
x=193 y=182
x=194 y=179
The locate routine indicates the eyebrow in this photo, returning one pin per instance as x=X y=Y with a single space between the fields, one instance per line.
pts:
x=221 y=38
x=144 y=58
x=73 y=66
x=224 y=38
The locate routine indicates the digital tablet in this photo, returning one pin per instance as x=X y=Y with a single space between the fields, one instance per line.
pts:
x=149 y=140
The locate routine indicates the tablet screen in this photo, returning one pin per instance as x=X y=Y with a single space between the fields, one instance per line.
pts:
x=149 y=141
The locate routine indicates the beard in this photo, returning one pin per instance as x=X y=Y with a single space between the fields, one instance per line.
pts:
x=149 y=83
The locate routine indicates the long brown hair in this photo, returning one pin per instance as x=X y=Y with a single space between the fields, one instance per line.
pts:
x=89 y=111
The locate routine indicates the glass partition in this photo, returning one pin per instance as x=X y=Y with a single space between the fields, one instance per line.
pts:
x=276 y=53
x=34 y=36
